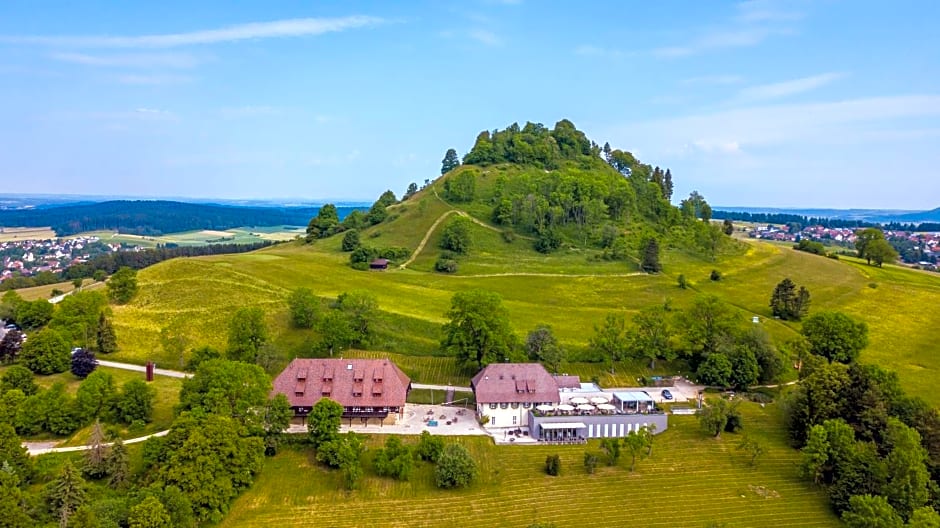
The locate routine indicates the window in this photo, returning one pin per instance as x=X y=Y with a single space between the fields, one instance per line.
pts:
x=527 y=405
x=492 y=406
x=515 y=405
x=514 y=420
x=504 y=405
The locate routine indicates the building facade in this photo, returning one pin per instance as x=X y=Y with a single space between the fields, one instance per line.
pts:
x=506 y=392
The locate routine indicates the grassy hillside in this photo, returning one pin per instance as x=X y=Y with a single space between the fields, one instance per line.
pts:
x=690 y=480
x=200 y=295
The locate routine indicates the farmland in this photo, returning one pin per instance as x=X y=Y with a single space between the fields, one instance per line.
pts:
x=240 y=235
x=690 y=480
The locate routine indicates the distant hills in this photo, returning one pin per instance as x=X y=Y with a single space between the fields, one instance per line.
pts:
x=880 y=216
x=154 y=217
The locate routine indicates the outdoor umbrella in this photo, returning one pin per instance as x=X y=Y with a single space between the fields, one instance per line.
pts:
x=599 y=400
x=585 y=407
x=544 y=407
x=578 y=401
x=607 y=407
x=565 y=407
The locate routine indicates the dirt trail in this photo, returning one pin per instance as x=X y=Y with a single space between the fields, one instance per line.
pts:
x=427 y=236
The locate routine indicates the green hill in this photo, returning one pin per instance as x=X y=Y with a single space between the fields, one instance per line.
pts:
x=571 y=288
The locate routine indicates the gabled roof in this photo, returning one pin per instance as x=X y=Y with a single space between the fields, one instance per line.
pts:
x=565 y=381
x=514 y=382
x=350 y=382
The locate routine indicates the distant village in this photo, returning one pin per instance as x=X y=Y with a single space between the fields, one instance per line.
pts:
x=27 y=258
x=922 y=249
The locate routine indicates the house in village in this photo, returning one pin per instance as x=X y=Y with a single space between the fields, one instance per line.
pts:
x=371 y=391
x=525 y=397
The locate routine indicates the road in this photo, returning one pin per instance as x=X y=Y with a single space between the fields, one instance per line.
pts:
x=141 y=368
x=40 y=448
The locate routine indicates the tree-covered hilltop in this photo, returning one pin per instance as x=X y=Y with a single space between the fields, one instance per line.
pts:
x=560 y=187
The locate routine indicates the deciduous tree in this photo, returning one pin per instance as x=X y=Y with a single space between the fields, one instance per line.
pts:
x=455 y=468
x=304 y=307
x=122 y=286
x=83 y=363
x=610 y=338
x=247 y=333
x=649 y=337
x=478 y=331
x=95 y=396
x=871 y=512
x=457 y=236
x=835 y=336
x=542 y=346
x=148 y=513
x=135 y=401
x=46 y=352
x=323 y=421
x=228 y=388
x=361 y=308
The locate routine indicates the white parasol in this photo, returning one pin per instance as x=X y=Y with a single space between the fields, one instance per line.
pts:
x=578 y=400
x=597 y=400
x=565 y=407
x=544 y=408
x=607 y=407
x=585 y=407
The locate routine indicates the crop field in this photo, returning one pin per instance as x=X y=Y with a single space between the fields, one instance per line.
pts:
x=239 y=235
x=16 y=234
x=690 y=480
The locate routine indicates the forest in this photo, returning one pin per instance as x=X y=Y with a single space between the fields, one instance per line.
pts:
x=155 y=217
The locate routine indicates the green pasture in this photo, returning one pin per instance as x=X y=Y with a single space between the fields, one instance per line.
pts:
x=200 y=295
x=690 y=480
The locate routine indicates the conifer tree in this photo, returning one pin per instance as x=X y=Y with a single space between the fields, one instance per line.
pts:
x=97 y=453
x=104 y=335
x=651 y=262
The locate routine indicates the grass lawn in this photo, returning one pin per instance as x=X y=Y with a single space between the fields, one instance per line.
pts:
x=690 y=480
x=167 y=390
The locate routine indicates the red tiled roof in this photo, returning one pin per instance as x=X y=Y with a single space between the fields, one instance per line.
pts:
x=350 y=382
x=567 y=382
x=514 y=382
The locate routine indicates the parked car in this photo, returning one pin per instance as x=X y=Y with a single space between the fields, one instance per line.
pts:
x=666 y=394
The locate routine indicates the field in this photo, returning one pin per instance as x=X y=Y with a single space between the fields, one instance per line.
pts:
x=16 y=234
x=45 y=292
x=200 y=294
x=241 y=235
x=691 y=480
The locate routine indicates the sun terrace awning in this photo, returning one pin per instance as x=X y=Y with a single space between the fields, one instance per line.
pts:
x=563 y=425
x=633 y=396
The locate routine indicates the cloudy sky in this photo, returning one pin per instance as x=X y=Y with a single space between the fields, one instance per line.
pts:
x=763 y=103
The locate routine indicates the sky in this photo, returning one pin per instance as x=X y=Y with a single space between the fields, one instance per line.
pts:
x=759 y=103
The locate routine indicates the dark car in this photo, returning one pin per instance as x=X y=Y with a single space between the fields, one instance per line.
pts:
x=666 y=394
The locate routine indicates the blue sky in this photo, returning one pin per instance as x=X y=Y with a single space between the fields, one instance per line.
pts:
x=759 y=103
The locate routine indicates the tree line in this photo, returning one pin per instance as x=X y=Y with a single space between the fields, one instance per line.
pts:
x=153 y=217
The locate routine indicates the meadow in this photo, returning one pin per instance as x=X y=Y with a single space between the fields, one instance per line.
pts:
x=690 y=480
x=240 y=235
x=17 y=234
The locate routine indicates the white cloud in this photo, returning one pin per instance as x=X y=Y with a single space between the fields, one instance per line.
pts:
x=716 y=40
x=791 y=87
x=485 y=37
x=855 y=121
x=296 y=27
x=714 y=79
x=138 y=60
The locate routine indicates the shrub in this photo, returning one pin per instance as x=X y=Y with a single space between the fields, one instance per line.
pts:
x=351 y=240
x=683 y=282
x=83 y=363
x=445 y=265
x=553 y=465
x=590 y=462
x=455 y=468
x=509 y=236
x=715 y=275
